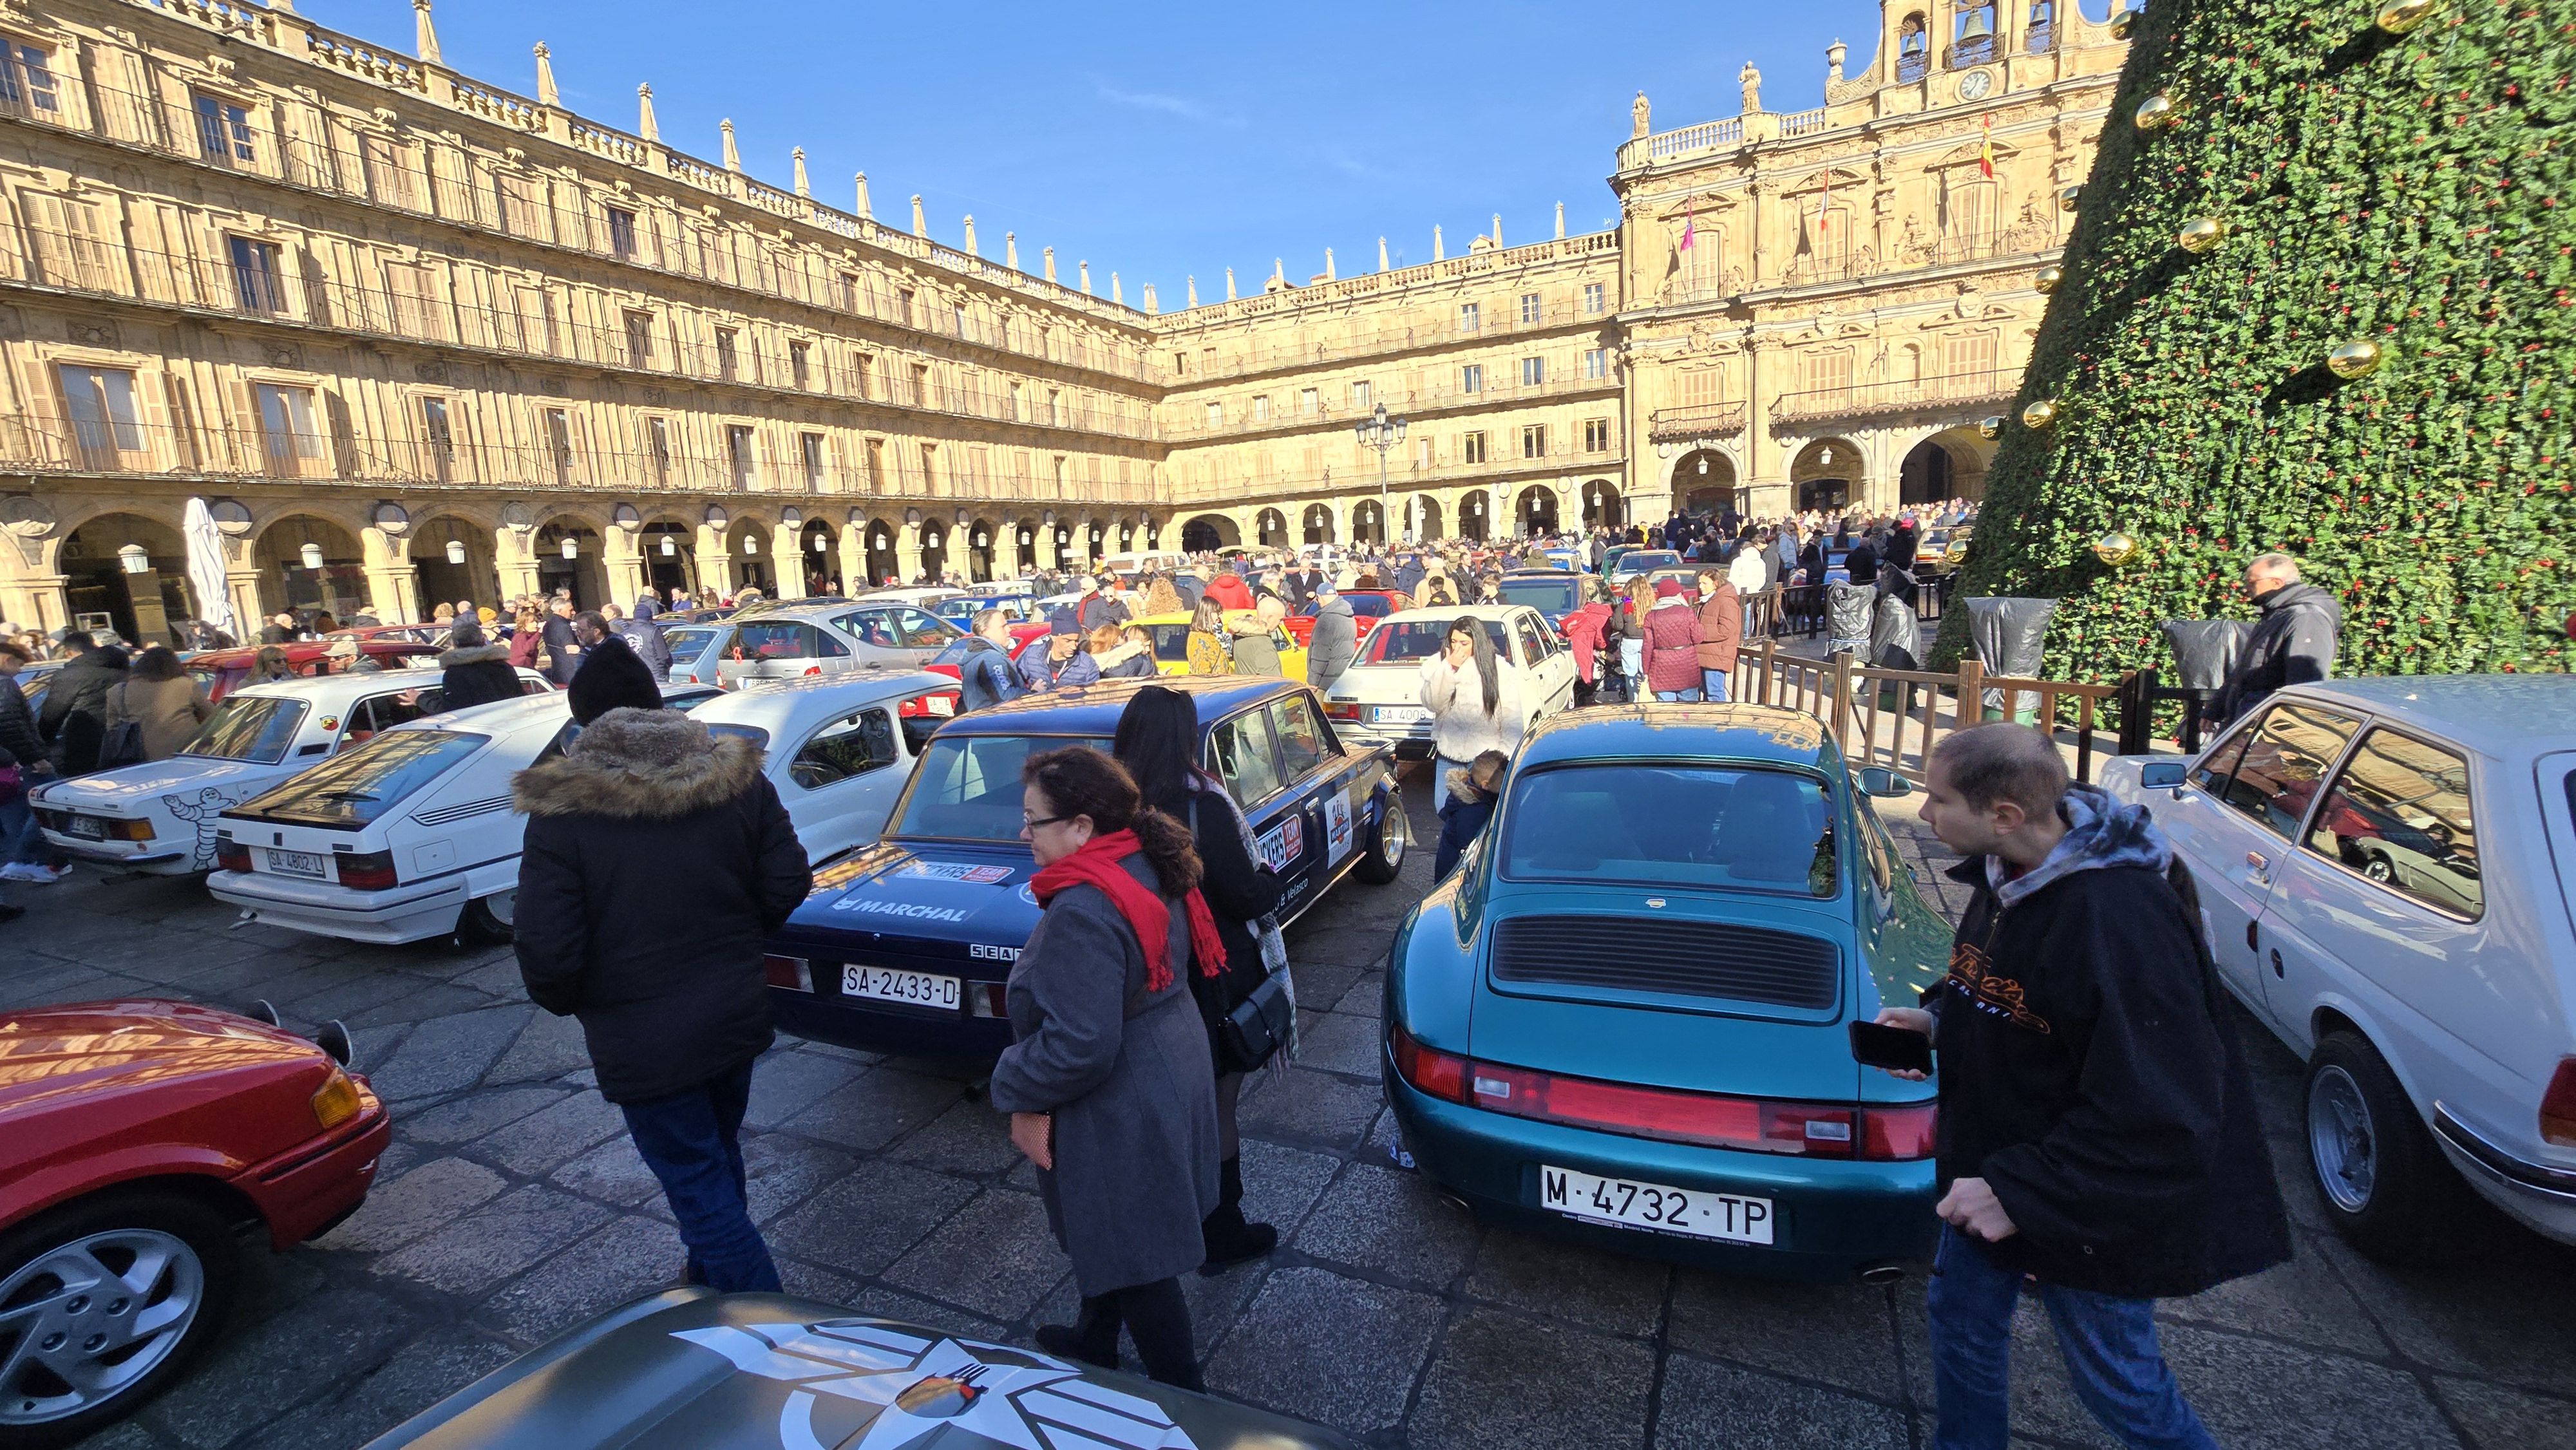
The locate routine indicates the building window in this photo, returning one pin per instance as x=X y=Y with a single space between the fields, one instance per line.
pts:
x=286 y=429
x=1596 y=362
x=1261 y=408
x=1595 y=296
x=657 y=434
x=621 y=233
x=728 y=353
x=559 y=442
x=962 y=330
x=921 y=397
x=1471 y=316
x=76 y=253
x=639 y=339
x=1360 y=397
x=27 y=80
x=1534 y=441
x=1055 y=409
x=866 y=363
x=1531 y=311
x=738 y=453
x=1533 y=371
x=845 y=291
x=415 y=311
x=514 y=199
x=1471 y=378
x=1216 y=415
x=810 y=446
x=223 y=131
x=100 y=403
x=1309 y=402
x=1016 y=415
x=388 y=165
x=903 y=299
x=800 y=364
x=257 y=284
x=1471 y=448
x=536 y=321
x=438 y=436
x=1596 y=435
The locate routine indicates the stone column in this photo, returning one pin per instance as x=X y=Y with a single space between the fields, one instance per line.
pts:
x=392 y=579
x=853 y=541
x=715 y=565
x=621 y=564
x=907 y=550
x=513 y=562
x=787 y=560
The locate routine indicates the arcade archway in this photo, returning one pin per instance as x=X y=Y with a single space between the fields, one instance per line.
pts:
x=1534 y=512
x=568 y=557
x=308 y=564
x=878 y=541
x=1206 y=533
x=1602 y=506
x=451 y=563
x=1272 y=525
x=142 y=597
x=670 y=551
x=980 y=537
x=1949 y=464
x=1425 y=524
x=1319 y=524
x=817 y=548
x=1827 y=476
x=1704 y=482
x=1368 y=522
x=747 y=544
x=934 y=550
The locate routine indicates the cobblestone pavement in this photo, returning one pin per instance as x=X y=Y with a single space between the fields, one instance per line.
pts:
x=511 y=1207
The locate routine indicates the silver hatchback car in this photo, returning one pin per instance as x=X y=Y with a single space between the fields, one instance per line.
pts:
x=831 y=639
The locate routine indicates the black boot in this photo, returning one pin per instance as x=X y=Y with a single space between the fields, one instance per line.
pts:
x=1228 y=1239
x=1091 y=1338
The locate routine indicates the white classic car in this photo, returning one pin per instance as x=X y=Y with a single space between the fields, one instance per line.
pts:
x=1379 y=698
x=808 y=641
x=159 y=817
x=2385 y=867
x=413 y=836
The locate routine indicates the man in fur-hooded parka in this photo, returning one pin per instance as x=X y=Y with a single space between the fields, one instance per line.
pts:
x=667 y=982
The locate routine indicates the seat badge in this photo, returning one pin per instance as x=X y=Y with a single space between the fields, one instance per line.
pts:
x=1656 y=902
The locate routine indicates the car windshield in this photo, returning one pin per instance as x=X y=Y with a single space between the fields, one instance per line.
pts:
x=1171 y=641
x=1369 y=606
x=689 y=641
x=967 y=787
x=349 y=791
x=1553 y=596
x=1739 y=828
x=1647 y=560
x=955 y=654
x=1406 y=640
x=260 y=730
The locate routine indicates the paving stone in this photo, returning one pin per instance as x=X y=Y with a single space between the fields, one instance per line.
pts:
x=873 y=1111
x=446 y=1054
x=1501 y=1382
x=613 y=1171
x=1281 y=1184
x=625 y=1260
x=554 y=1134
x=431 y=1002
x=969 y=1138
x=2499 y=1320
x=1321 y=986
x=2302 y=1300
x=2492 y=1417
x=784 y=1172
x=410 y=1379
x=460 y=1119
x=425 y=1198
x=1842 y=1334
x=257 y=1369
x=1574 y=1282
x=355 y=991
x=1706 y=1404
x=1327 y=1348
x=495 y=1241
x=1389 y=1223
x=497 y=979
x=812 y=1282
x=1339 y=1042
x=2255 y=1394
x=1340 y=946
x=867 y=1220
x=786 y=1083
x=995 y=1256
x=1308 y=1107
x=549 y=1047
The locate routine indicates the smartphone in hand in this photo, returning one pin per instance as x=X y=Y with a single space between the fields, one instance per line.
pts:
x=1896 y=1049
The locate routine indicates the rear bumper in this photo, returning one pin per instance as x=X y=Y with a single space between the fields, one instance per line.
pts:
x=948 y=1036
x=304 y=1191
x=157 y=857
x=404 y=914
x=1832 y=1219
x=2541 y=1197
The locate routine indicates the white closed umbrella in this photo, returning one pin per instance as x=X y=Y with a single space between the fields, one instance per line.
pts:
x=206 y=567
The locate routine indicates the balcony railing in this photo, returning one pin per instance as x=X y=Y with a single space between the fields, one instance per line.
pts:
x=1564 y=458
x=1447 y=396
x=1679 y=144
x=1697 y=420
x=1968 y=53
x=1910 y=66
x=1949 y=390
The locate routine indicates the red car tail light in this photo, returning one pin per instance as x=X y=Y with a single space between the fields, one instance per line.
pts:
x=231 y=856
x=794 y=973
x=1892 y=1134
x=1340 y=712
x=988 y=999
x=368 y=871
x=1430 y=1071
x=2558 y=1106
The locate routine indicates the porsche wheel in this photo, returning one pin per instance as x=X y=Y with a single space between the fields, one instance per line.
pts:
x=102 y=1303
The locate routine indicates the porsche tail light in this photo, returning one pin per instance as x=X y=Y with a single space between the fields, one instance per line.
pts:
x=1894 y=1133
x=338 y=1100
x=2558 y=1106
x=231 y=856
x=794 y=973
x=368 y=870
x=1430 y=1071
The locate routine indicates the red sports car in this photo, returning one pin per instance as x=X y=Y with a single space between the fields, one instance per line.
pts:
x=136 y=1139
x=221 y=669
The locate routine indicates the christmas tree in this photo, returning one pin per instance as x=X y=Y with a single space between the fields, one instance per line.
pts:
x=2279 y=179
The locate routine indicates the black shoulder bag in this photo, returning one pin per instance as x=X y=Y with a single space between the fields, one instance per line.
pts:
x=1255 y=1028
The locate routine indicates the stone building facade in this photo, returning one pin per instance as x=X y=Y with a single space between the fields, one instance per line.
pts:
x=408 y=337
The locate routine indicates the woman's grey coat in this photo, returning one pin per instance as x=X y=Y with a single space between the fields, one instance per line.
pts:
x=1134 y=1096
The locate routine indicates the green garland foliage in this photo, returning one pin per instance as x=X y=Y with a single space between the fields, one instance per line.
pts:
x=2413 y=190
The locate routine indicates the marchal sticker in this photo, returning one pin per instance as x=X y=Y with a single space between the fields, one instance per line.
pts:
x=910 y=910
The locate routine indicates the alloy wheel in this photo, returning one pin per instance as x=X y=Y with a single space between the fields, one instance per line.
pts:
x=83 y=1322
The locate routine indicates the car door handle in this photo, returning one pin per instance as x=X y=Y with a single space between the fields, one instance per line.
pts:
x=2258 y=869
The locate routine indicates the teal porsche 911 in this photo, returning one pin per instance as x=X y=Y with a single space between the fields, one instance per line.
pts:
x=1625 y=1016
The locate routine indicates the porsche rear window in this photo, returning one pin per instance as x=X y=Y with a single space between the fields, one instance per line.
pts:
x=1679 y=825
x=349 y=791
x=260 y=730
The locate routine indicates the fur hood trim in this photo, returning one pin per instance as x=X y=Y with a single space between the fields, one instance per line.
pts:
x=1119 y=656
x=640 y=765
x=1463 y=790
x=474 y=655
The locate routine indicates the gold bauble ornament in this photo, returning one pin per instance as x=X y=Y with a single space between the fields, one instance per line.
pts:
x=2404 y=16
x=2354 y=359
x=2155 y=111
x=2067 y=197
x=2200 y=234
x=2125 y=23
x=2048 y=279
x=2115 y=548
x=1991 y=427
x=2040 y=416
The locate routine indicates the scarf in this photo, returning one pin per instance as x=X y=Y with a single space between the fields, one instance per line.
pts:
x=1097 y=864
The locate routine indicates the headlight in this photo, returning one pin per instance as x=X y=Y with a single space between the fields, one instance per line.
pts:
x=338 y=1100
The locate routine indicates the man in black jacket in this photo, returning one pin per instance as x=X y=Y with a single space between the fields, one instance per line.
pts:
x=2097 y=1129
x=74 y=717
x=2293 y=644
x=477 y=671
x=667 y=983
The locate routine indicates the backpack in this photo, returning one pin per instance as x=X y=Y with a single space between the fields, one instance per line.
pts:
x=122 y=744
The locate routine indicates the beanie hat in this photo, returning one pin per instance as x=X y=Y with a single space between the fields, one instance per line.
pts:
x=1666 y=589
x=610 y=678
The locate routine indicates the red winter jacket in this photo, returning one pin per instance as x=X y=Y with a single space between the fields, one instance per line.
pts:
x=1586 y=630
x=1672 y=646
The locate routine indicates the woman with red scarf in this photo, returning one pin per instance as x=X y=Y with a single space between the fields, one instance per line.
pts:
x=1109 y=1085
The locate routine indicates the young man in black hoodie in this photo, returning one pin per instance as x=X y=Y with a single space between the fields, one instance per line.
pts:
x=2097 y=1128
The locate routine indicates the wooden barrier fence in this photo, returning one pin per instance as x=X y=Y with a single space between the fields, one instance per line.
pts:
x=1895 y=718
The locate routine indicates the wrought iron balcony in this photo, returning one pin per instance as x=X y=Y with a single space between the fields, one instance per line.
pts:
x=1697 y=420
x=1855 y=400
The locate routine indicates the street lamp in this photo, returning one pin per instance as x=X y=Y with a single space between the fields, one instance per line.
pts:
x=1380 y=432
x=134 y=559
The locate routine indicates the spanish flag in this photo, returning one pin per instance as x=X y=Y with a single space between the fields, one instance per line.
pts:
x=1986 y=149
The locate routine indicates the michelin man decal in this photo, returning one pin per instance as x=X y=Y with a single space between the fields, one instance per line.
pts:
x=201 y=812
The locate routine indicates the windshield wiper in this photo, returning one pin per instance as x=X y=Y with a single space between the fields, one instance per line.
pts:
x=348 y=795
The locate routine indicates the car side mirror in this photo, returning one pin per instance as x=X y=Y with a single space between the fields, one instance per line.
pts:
x=2161 y=774
x=1878 y=780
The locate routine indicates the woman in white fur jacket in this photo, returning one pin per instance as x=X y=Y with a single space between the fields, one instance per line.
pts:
x=1474 y=698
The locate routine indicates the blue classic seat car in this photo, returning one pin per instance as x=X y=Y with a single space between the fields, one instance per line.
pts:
x=905 y=945
x=1625 y=1016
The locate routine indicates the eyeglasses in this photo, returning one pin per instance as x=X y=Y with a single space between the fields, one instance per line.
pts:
x=1031 y=822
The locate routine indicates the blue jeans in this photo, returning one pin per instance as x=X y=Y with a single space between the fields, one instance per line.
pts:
x=1712 y=685
x=22 y=841
x=2109 y=1344
x=1676 y=695
x=693 y=1143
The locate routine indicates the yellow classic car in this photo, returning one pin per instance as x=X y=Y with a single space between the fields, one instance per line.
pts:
x=1171 y=634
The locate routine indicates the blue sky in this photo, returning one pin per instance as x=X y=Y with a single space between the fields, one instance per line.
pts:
x=1161 y=141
